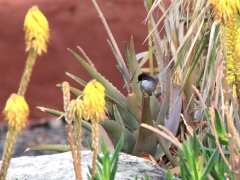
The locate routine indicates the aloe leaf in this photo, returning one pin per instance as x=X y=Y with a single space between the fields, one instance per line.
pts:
x=165 y=106
x=57 y=113
x=133 y=106
x=109 y=106
x=50 y=147
x=127 y=54
x=134 y=67
x=155 y=107
x=117 y=115
x=172 y=123
x=128 y=119
x=80 y=81
x=125 y=80
x=146 y=141
x=115 y=130
x=73 y=90
x=110 y=90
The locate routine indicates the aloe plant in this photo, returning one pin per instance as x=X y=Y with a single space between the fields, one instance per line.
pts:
x=192 y=75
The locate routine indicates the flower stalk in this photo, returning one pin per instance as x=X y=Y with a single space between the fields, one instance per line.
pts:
x=77 y=114
x=31 y=59
x=68 y=117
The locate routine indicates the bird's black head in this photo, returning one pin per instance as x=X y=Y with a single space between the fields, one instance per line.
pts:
x=142 y=77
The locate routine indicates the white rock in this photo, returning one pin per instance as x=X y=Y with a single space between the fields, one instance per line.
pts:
x=60 y=167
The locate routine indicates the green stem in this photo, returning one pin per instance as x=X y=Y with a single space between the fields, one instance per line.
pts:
x=27 y=72
x=150 y=46
x=8 y=150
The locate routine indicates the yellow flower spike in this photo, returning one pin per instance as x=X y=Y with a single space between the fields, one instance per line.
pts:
x=76 y=109
x=68 y=117
x=224 y=9
x=36 y=31
x=77 y=112
x=94 y=105
x=16 y=112
x=94 y=102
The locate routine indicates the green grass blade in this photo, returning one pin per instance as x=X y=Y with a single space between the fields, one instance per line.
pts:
x=117 y=115
x=50 y=147
x=210 y=164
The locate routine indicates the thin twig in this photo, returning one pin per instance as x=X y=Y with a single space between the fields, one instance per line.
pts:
x=86 y=57
x=199 y=96
x=126 y=72
x=166 y=151
x=163 y=134
x=114 y=52
x=169 y=133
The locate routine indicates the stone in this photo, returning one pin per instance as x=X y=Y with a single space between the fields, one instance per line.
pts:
x=60 y=166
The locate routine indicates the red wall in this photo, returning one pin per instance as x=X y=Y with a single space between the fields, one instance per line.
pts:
x=72 y=23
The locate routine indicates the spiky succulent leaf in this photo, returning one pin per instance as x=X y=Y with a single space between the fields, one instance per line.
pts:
x=146 y=140
x=175 y=109
x=117 y=115
x=134 y=67
x=57 y=113
x=128 y=119
x=115 y=130
x=110 y=90
x=73 y=90
x=80 y=81
x=165 y=106
x=133 y=106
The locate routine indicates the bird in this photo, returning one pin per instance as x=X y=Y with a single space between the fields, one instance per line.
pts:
x=147 y=83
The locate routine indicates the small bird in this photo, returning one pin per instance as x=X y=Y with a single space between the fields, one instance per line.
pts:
x=147 y=83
